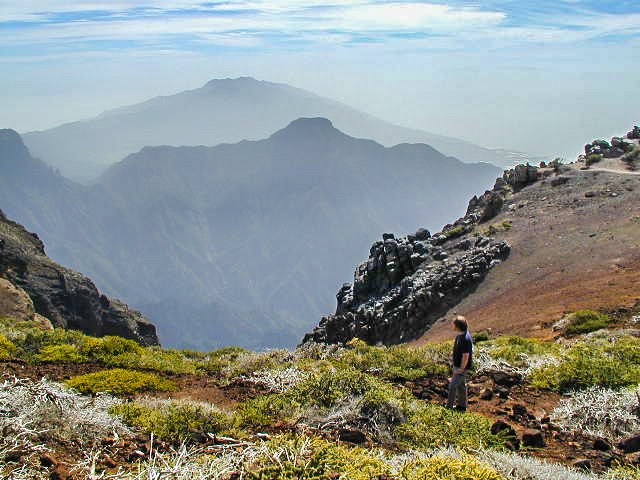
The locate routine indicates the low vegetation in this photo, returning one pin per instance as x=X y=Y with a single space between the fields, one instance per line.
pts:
x=175 y=420
x=319 y=391
x=121 y=382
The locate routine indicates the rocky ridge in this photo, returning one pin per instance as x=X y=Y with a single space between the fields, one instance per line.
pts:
x=63 y=297
x=407 y=283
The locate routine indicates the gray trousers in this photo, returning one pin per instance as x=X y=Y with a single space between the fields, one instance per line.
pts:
x=458 y=391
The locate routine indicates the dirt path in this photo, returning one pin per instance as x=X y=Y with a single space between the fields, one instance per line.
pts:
x=613 y=170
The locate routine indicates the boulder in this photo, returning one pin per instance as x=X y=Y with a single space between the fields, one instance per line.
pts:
x=422 y=234
x=520 y=176
x=14 y=302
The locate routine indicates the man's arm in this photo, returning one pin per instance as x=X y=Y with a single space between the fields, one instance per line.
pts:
x=463 y=363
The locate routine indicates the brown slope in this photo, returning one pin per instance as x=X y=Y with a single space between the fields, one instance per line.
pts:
x=570 y=250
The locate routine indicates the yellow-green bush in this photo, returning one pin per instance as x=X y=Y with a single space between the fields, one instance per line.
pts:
x=447 y=468
x=121 y=382
x=173 y=420
x=61 y=353
x=431 y=426
x=7 y=348
x=585 y=321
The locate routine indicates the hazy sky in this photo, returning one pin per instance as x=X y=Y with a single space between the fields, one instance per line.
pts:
x=538 y=75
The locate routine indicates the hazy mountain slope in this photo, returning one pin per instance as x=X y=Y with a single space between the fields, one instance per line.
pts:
x=227 y=110
x=245 y=243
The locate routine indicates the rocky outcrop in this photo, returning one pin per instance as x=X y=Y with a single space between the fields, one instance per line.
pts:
x=519 y=177
x=634 y=134
x=67 y=298
x=616 y=148
x=408 y=283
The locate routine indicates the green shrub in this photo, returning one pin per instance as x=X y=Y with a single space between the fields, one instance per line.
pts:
x=61 y=353
x=585 y=321
x=514 y=349
x=431 y=426
x=586 y=365
x=447 y=468
x=172 y=420
x=7 y=348
x=481 y=337
x=393 y=363
x=121 y=382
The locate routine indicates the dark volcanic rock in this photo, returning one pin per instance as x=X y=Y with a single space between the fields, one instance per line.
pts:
x=533 y=438
x=67 y=298
x=630 y=444
x=406 y=284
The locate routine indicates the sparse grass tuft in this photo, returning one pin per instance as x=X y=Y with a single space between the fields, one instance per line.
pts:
x=455 y=232
x=121 y=382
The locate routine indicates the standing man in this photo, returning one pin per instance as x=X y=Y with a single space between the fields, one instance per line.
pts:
x=462 y=363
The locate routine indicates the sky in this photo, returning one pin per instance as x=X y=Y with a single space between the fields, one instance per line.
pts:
x=540 y=76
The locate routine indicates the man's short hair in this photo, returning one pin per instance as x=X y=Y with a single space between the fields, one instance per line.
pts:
x=461 y=323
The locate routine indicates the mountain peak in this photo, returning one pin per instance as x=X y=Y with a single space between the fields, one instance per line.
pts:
x=216 y=82
x=306 y=127
x=11 y=145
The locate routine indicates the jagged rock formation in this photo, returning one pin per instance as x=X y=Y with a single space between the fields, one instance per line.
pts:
x=634 y=133
x=407 y=283
x=67 y=298
x=616 y=148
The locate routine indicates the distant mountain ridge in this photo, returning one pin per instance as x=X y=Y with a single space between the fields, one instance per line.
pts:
x=222 y=111
x=244 y=243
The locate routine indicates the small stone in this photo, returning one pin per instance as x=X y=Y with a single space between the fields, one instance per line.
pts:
x=59 y=473
x=601 y=444
x=352 y=436
x=533 y=438
x=630 y=444
x=108 y=461
x=584 y=464
x=486 y=394
x=502 y=427
x=47 y=460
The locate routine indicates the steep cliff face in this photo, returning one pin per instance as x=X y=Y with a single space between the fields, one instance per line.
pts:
x=67 y=298
x=406 y=284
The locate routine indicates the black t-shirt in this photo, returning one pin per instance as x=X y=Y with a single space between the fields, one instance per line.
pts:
x=463 y=344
